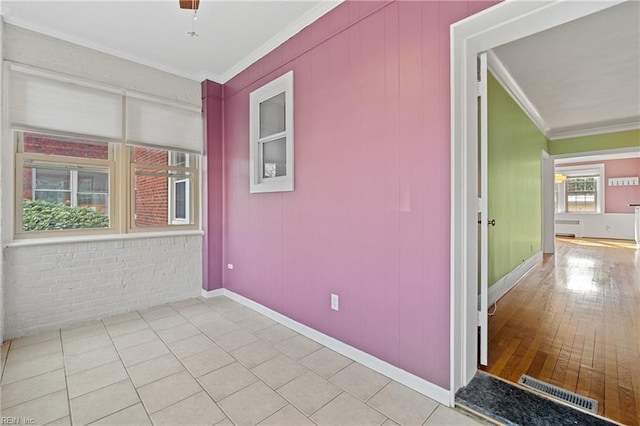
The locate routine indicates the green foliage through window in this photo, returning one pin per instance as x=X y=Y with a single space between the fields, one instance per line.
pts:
x=45 y=216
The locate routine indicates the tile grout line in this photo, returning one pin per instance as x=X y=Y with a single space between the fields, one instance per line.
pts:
x=259 y=379
x=128 y=375
x=66 y=380
x=4 y=361
x=227 y=416
x=309 y=369
x=38 y=397
x=202 y=389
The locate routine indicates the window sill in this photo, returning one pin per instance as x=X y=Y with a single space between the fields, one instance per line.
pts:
x=105 y=237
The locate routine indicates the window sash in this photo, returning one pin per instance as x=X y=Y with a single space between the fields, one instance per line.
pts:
x=57 y=162
x=258 y=181
x=120 y=205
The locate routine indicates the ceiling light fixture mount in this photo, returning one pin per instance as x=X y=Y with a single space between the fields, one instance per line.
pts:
x=191 y=5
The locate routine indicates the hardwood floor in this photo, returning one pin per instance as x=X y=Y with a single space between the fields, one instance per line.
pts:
x=574 y=321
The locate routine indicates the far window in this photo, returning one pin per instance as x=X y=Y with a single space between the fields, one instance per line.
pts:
x=582 y=194
x=579 y=189
x=271 y=136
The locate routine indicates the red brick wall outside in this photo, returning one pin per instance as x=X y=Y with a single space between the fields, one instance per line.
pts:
x=152 y=193
x=55 y=145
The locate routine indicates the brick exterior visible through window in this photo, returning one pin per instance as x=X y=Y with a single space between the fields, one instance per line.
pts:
x=152 y=193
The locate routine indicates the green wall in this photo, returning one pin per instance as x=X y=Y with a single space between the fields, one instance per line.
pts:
x=630 y=138
x=515 y=183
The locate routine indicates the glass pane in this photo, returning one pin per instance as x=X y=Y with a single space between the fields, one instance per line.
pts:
x=93 y=182
x=52 y=179
x=159 y=157
x=181 y=159
x=581 y=194
x=272 y=116
x=274 y=158
x=70 y=147
x=57 y=197
x=144 y=155
x=94 y=202
x=152 y=196
x=181 y=199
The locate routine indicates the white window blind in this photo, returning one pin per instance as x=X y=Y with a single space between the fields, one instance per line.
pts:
x=157 y=123
x=47 y=103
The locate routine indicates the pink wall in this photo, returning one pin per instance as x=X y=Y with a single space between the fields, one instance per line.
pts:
x=370 y=215
x=618 y=198
x=213 y=190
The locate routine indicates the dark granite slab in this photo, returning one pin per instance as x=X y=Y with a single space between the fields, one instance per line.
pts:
x=512 y=405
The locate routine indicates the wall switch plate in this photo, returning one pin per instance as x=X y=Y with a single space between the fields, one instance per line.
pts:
x=335 y=302
x=229 y=265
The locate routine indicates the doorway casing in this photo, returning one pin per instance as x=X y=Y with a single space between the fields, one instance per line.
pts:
x=500 y=24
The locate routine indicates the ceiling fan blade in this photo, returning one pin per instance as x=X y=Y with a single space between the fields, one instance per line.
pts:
x=189 y=4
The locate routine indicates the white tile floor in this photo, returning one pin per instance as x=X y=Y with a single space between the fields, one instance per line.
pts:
x=199 y=362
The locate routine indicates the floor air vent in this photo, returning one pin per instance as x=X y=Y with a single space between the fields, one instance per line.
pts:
x=559 y=393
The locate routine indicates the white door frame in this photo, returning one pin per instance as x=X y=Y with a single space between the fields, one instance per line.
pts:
x=548 y=204
x=493 y=27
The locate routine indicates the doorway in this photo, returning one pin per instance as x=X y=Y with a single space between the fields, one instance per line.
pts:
x=496 y=26
x=475 y=35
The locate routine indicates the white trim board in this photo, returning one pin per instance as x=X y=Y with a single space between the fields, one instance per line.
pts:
x=506 y=80
x=208 y=294
x=495 y=26
x=506 y=283
x=286 y=33
x=412 y=381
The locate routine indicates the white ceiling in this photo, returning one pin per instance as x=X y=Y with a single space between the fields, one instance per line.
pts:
x=581 y=77
x=232 y=34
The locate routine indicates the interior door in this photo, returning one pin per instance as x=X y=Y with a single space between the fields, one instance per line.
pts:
x=483 y=220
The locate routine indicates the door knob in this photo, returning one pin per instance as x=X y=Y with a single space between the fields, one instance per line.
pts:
x=491 y=222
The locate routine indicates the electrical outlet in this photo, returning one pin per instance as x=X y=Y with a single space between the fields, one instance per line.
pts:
x=335 y=302
x=229 y=265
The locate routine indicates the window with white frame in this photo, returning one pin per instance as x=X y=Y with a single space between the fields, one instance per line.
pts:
x=180 y=190
x=84 y=165
x=271 y=136
x=580 y=189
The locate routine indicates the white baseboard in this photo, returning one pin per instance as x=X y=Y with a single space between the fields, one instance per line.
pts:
x=212 y=293
x=506 y=283
x=435 y=392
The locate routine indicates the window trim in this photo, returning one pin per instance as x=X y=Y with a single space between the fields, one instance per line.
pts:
x=119 y=204
x=172 y=192
x=121 y=182
x=597 y=170
x=257 y=184
x=20 y=156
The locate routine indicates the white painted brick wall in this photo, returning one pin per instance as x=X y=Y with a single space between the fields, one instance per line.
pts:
x=2 y=224
x=58 y=285
x=53 y=286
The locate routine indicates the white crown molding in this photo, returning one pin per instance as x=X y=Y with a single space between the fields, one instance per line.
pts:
x=506 y=80
x=95 y=46
x=600 y=130
x=311 y=16
x=603 y=155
